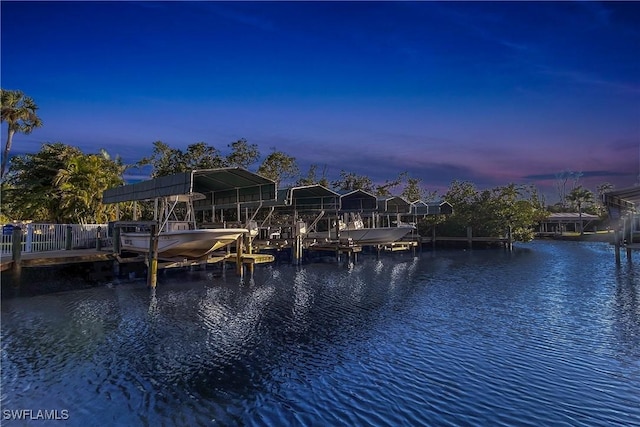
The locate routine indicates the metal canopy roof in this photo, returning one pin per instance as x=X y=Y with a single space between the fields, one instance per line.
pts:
x=220 y=186
x=618 y=202
x=395 y=204
x=623 y=198
x=358 y=200
x=312 y=197
x=420 y=207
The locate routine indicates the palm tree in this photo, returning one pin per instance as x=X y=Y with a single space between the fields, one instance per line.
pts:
x=580 y=196
x=19 y=111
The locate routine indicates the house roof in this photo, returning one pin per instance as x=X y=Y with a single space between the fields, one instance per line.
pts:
x=570 y=217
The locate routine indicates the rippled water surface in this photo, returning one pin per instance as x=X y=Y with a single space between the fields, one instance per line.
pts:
x=548 y=335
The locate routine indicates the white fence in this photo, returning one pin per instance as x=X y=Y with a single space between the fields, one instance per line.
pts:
x=53 y=237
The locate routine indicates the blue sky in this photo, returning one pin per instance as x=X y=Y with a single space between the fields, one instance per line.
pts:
x=490 y=92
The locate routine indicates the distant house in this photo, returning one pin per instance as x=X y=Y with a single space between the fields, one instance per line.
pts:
x=561 y=222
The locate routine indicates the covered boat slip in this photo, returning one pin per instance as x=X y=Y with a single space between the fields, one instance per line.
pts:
x=622 y=205
x=202 y=188
x=224 y=186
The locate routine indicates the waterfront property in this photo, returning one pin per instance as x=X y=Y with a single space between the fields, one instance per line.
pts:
x=562 y=222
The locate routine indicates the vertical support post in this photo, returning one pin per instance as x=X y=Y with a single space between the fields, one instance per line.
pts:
x=99 y=239
x=116 y=239
x=630 y=238
x=16 y=251
x=152 y=273
x=470 y=237
x=433 y=237
x=510 y=238
x=239 y=255
x=67 y=238
x=250 y=251
x=616 y=245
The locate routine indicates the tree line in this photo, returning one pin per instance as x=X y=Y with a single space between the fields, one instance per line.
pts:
x=61 y=184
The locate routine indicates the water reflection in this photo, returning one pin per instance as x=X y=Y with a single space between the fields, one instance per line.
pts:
x=480 y=337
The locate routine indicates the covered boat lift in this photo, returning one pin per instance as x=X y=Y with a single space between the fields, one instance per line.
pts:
x=623 y=205
x=214 y=187
x=224 y=187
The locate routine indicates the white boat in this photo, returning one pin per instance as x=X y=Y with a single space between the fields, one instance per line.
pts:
x=359 y=235
x=190 y=244
x=180 y=238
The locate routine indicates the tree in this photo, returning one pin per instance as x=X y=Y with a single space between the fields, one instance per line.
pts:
x=412 y=191
x=491 y=212
x=243 y=154
x=19 y=111
x=82 y=183
x=168 y=161
x=384 y=190
x=278 y=166
x=311 y=179
x=60 y=184
x=561 y=184
x=349 y=182
x=31 y=193
x=579 y=197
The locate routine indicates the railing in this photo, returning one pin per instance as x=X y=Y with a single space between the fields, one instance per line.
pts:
x=54 y=237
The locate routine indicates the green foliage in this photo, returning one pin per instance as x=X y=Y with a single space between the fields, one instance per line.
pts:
x=168 y=161
x=20 y=113
x=491 y=212
x=242 y=154
x=349 y=182
x=311 y=179
x=60 y=184
x=579 y=197
x=384 y=190
x=278 y=166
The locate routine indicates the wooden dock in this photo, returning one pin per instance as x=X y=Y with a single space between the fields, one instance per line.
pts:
x=64 y=257
x=52 y=258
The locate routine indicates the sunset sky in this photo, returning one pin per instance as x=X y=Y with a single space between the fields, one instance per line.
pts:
x=489 y=92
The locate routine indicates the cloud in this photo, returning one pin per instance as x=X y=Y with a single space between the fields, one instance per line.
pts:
x=586 y=174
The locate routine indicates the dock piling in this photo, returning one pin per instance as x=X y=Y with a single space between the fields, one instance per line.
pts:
x=99 y=239
x=16 y=251
x=152 y=273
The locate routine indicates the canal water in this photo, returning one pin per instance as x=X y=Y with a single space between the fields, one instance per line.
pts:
x=548 y=335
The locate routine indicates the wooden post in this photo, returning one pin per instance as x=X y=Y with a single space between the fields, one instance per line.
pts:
x=152 y=272
x=239 y=255
x=16 y=251
x=116 y=239
x=68 y=236
x=510 y=238
x=250 y=251
x=433 y=237
x=470 y=237
x=630 y=238
x=616 y=245
x=99 y=239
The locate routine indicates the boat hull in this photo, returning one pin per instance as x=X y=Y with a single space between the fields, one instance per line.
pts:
x=191 y=244
x=365 y=236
